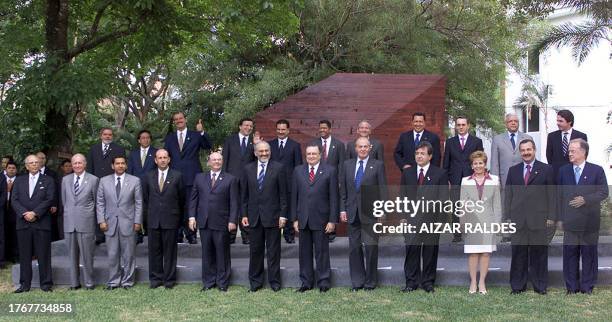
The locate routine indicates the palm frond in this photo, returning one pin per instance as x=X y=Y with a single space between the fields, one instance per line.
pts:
x=581 y=38
x=598 y=10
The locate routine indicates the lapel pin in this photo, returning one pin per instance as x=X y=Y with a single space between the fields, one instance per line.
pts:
x=428 y=179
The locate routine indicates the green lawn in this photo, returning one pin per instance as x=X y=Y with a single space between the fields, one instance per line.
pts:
x=186 y=302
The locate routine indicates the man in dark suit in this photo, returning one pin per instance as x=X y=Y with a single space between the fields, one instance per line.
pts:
x=10 y=218
x=289 y=153
x=100 y=161
x=57 y=232
x=362 y=181
x=184 y=147
x=332 y=152
x=456 y=162
x=141 y=161
x=3 y=214
x=530 y=203
x=237 y=153
x=430 y=183
x=582 y=187
x=214 y=204
x=164 y=197
x=31 y=198
x=364 y=129
x=264 y=211
x=558 y=141
x=314 y=204
x=407 y=142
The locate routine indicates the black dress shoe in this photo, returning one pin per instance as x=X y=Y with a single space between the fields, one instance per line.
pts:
x=254 y=289
x=206 y=288
x=356 y=289
x=587 y=292
x=21 y=290
x=323 y=289
x=303 y=289
x=245 y=241
x=408 y=289
x=276 y=288
x=74 y=288
x=223 y=289
x=290 y=241
x=515 y=292
x=48 y=289
x=429 y=289
x=193 y=241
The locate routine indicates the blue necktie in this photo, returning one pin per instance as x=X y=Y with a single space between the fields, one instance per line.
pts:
x=260 y=178
x=359 y=175
x=512 y=141
x=577 y=174
x=243 y=146
x=417 y=140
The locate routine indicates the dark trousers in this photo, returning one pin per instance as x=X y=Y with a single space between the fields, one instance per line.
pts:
x=362 y=237
x=162 y=256
x=264 y=241
x=57 y=226
x=578 y=245
x=529 y=260
x=288 y=231
x=421 y=249
x=184 y=231
x=320 y=241
x=34 y=242
x=244 y=232
x=11 y=248
x=216 y=260
x=2 y=242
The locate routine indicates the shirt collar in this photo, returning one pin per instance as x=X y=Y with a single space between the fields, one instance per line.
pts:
x=82 y=175
x=283 y=140
x=184 y=131
x=42 y=170
x=365 y=161
x=316 y=166
x=35 y=176
x=487 y=177
x=425 y=169
x=145 y=149
x=415 y=132
x=580 y=165
x=465 y=137
x=328 y=140
x=217 y=173
x=121 y=176
x=510 y=134
x=569 y=133
x=530 y=163
x=165 y=172
x=241 y=136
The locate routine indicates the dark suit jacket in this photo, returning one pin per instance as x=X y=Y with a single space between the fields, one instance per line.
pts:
x=435 y=187
x=164 y=208
x=530 y=205
x=456 y=161
x=188 y=160
x=97 y=164
x=3 y=200
x=268 y=204
x=41 y=201
x=290 y=157
x=215 y=208
x=554 y=149
x=592 y=186
x=233 y=161
x=57 y=180
x=376 y=152
x=336 y=154
x=358 y=202
x=404 y=150
x=314 y=204
x=135 y=167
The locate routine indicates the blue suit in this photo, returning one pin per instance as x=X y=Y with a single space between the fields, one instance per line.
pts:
x=135 y=166
x=581 y=225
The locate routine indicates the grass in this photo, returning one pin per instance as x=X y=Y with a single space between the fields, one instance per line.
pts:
x=186 y=302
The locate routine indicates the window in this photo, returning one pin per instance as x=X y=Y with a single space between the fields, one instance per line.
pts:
x=531 y=123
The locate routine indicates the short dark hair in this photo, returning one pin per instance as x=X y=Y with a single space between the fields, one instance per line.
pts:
x=313 y=145
x=105 y=128
x=525 y=141
x=326 y=122
x=425 y=144
x=462 y=117
x=283 y=121
x=144 y=131
x=9 y=157
x=64 y=161
x=177 y=113
x=119 y=157
x=567 y=115
x=244 y=119
x=419 y=114
x=11 y=162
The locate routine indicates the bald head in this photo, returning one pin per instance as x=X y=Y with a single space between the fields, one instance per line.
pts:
x=162 y=159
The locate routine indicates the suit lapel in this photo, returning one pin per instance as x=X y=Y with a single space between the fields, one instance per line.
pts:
x=537 y=168
x=37 y=185
x=319 y=173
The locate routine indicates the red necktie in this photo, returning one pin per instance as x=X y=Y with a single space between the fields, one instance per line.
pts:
x=421 y=177
x=311 y=176
x=527 y=174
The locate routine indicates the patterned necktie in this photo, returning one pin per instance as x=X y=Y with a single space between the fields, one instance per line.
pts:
x=421 y=177
x=260 y=177
x=181 y=141
x=76 y=185
x=105 y=151
x=359 y=175
x=577 y=174
x=417 y=140
x=161 y=182
x=311 y=175
x=462 y=143
x=512 y=141
x=213 y=180
x=527 y=173
x=143 y=157
x=9 y=185
x=118 y=187
x=243 y=146
x=32 y=185
x=565 y=144
x=324 y=149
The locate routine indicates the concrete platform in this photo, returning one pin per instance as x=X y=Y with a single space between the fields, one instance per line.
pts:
x=452 y=264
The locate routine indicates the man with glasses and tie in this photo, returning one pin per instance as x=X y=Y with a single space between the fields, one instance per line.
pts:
x=557 y=144
x=237 y=153
x=184 y=148
x=141 y=161
x=32 y=196
x=79 y=191
x=264 y=198
x=119 y=214
x=582 y=187
x=100 y=160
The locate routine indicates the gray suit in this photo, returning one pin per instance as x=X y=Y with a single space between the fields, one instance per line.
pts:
x=79 y=224
x=120 y=215
x=503 y=156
